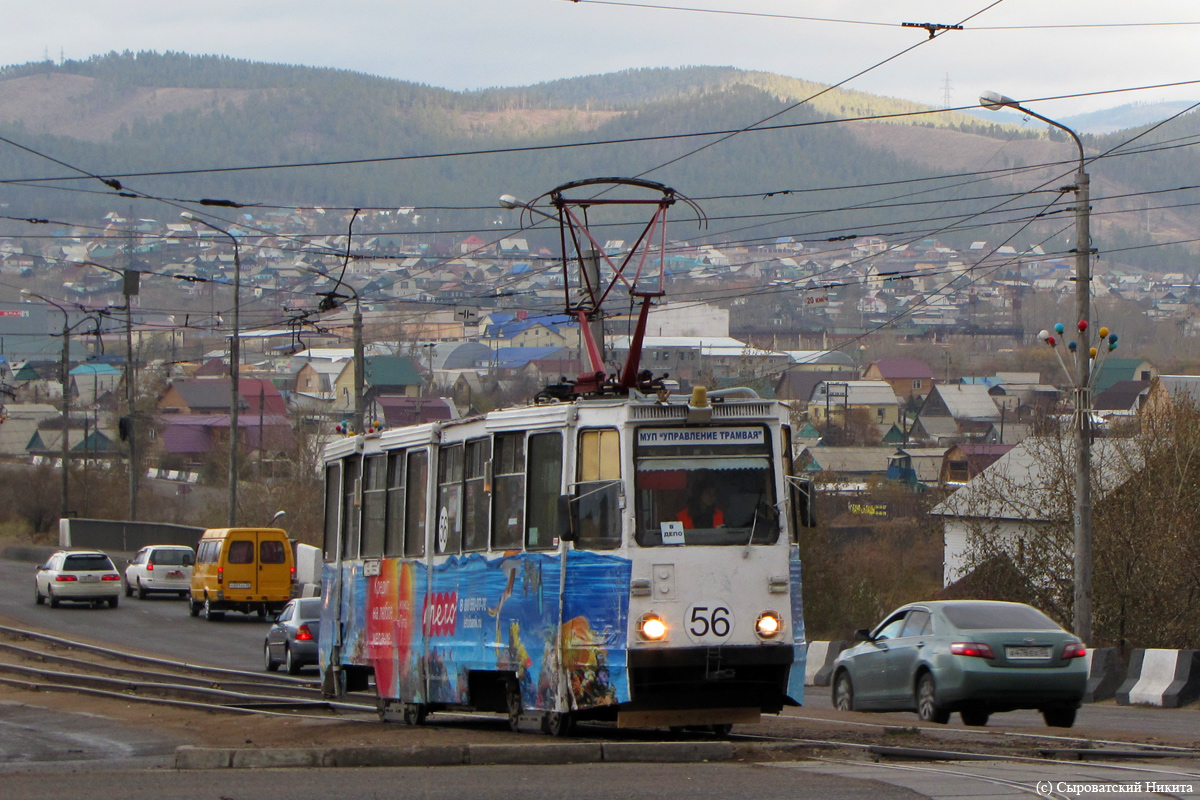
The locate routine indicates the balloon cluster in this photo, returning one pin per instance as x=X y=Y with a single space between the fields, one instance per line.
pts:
x=344 y=428
x=1105 y=336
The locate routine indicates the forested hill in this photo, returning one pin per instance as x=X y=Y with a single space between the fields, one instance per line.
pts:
x=164 y=122
x=123 y=114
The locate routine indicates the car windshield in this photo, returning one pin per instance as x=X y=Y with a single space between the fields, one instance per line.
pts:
x=87 y=562
x=986 y=616
x=172 y=557
x=309 y=609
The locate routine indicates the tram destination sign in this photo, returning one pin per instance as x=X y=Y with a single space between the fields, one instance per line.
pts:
x=659 y=437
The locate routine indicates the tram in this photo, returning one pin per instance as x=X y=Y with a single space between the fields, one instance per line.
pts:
x=617 y=551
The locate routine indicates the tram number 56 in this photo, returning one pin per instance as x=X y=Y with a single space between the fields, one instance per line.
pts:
x=709 y=622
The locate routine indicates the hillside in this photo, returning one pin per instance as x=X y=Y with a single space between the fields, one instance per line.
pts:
x=132 y=114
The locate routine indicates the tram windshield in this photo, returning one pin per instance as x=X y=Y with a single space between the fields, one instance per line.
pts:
x=698 y=500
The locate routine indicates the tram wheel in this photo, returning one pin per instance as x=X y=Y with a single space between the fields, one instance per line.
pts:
x=513 y=697
x=415 y=713
x=723 y=729
x=558 y=723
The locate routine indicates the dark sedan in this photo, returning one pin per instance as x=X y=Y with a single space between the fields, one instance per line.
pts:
x=292 y=639
x=975 y=657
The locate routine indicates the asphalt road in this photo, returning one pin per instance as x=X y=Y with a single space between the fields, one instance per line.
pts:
x=160 y=626
x=579 y=782
x=157 y=626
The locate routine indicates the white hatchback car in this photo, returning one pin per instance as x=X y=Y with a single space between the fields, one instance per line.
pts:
x=87 y=576
x=160 y=568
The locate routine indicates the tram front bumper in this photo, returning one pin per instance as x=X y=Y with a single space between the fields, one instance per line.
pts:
x=732 y=678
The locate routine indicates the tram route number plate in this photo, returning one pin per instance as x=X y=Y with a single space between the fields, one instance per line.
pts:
x=239 y=586
x=1018 y=653
x=672 y=532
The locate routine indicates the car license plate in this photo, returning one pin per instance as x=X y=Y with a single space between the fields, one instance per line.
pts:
x=175 y=574
x=1019 y=653
x=239 y=586
x=89 y=578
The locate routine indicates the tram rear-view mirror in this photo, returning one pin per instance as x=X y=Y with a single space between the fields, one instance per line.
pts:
x=569 y=513
x=803 y=502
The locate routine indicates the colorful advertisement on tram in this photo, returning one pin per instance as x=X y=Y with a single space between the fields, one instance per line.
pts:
x=425 y=628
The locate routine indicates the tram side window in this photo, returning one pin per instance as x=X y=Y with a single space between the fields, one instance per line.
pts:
x=449 y=505
x=393 y=541
x=508 y=491
x=597 y=491
x=374 y=505
x=415 y=512
x=544 y=525
x=351 y=506
x=475 y=495
x=333 y=508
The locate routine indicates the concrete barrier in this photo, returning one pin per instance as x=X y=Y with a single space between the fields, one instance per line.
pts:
x=1164 y=678
x=121 y=536
x=1106 y=673
x=819 y=668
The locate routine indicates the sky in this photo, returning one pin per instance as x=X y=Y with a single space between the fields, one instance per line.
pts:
x=473 y=44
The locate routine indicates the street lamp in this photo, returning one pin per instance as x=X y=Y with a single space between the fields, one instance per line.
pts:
x=66 y=390
x=234 y=363
x=1083 y=399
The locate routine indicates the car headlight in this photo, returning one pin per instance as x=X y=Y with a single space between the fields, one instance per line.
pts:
x=768 y=625
x=652 y=628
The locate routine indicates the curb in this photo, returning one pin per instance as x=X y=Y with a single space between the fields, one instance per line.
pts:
x=195 y=758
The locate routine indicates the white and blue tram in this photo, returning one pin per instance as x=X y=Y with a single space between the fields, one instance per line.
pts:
x=549 y=562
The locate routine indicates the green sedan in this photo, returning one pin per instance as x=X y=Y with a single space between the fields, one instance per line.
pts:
x=975 y=657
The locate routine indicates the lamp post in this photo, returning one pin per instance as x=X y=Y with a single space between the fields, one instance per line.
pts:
x=63 y=372
x=1083 y=399
x=234 y=363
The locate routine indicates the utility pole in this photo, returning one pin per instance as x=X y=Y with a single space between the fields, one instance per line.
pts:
x=1083 y=390
x=131 y=291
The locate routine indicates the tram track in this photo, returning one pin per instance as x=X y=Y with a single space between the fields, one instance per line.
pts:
x=36 y=662
x=169 y=683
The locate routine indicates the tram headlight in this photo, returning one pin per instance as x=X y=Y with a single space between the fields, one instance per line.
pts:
x=652 y=628
x=768 y=625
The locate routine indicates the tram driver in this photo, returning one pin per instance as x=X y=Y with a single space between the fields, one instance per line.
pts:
x=702 y=510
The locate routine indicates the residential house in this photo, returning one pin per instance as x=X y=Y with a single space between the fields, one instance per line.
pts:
x=910 y=378
x=1122 y=400
x=1013 y=500
x=831 y=399
x=382 y=375
x=955 y=412
x=1110 y=370
x=398 y=411
x=962 y=462
x=21 y=422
